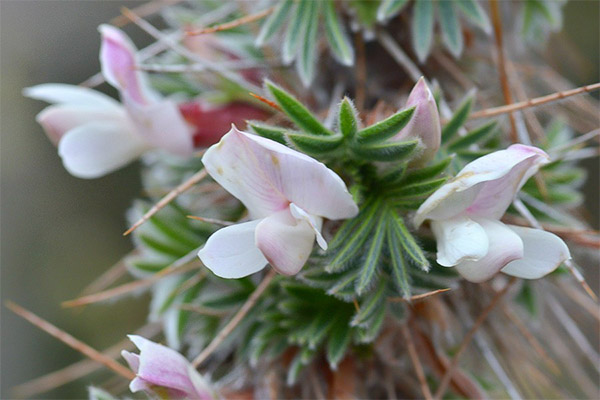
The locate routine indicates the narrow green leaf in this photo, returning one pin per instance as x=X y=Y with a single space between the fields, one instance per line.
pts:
x=160 y=246
x=394 y=176
x=347 y=119
x=274 y=22
x=394 y=151
x=224 y=302
x=422 y=188
x=338 y=342
x=344 y=282
x=472 y=137
x=408 y=204
x=458 y=119
x=398 y=263
x=385 y=129
x=308 y=54
x=427 y=172
x=473 y=11
x=389 y=8
x=372 y=256
x=321 y=325
x=294 y=369
x=315 y=145
x=270 y=132
x=451 y=32
x=422 y=28
x=411 y=248
x=299 y=114
x=372 y=301
x=339 y=42
x=369 y=333
x=295 y=31
x=367 y=210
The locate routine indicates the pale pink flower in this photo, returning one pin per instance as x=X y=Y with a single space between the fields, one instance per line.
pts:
x=95 y=134
x=465 y=218
x=164 y=372
x=287 y=195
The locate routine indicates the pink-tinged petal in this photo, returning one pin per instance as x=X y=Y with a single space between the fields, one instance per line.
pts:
x=59 y=119
x=133 y=360
x=484 y=187
x=119 y=65
x=266 y=176
x=97 y=148
x=162 y=126
x=316 y=223
x=543 y=253
x=162 y=366
x=231 y=252
x=139 y=385
x=459 y=239
x=504 y=247
x=285 y=241
x=58 y=93
x=425 y=122
x=202 y=390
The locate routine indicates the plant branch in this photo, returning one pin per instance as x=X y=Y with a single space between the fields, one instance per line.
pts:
x=412 y=351
x=232 y=24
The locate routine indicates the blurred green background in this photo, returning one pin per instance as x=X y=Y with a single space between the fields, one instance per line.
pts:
x=58 y=232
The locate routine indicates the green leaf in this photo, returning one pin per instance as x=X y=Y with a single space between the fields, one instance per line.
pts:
x=336 y=35
x=227 y=301
x=427 y=172
x=385 y=129
x=389 y=8
x=295 y=31
x=528 y=299
x=399 y=267
x=473 y=11
x=394 y=176
x=422 y=28
x=274 y=22
x=338 y=342
x=168 y=248
x=472 y=137
x=394 y=151
x=308 y=54
x=451 y=32
x=344 y=283
x=422 y=188
x=270 y=132
x=299 y=114
x=411 y=248
x=369 y=333
x=95 y=393
x=372 y=302
x=321 y=325
x=372 y=256
x=347 y=118
x=315 y=145
x=458 y=119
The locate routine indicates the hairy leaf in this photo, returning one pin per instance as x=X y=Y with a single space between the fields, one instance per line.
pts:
x=385 y=129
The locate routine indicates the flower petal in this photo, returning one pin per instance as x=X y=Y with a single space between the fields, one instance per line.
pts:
x=425 y=122
x=133 y=360
x=285 y=241
x=58 y=120
x=266 y=176
x=504 y=247
x=70 y=94
x=231 y=252
x=543 y=253
x=162 y=125
x=119 y=65
x=97 y=148
x=459 y=239
x=484 y=187
x=315 y=223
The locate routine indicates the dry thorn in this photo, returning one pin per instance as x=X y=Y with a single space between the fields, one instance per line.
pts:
x=412 y=351
x=197 y=177
x=71 y=341
x=237 y=318
x=232 y=24
x=418 y=296
x=266 y=101
x=491 y=112
x=109 y=277
x=211 y=220
x=468 y=337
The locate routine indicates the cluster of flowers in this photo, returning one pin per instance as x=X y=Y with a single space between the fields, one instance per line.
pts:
x=287 y=193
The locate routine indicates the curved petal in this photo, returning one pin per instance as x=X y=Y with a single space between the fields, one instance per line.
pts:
x=231 y=252
x=425 y=122
x=504 y=247
x=266 y=176
x=543 y=253
x=97 y=148
x=316 y=223
x=162 y=125
x=459 y=239
x=70 y=94
x=119 y=65
x=133 y=360
x=285 y=241
x=484 y=187
x=58 y=120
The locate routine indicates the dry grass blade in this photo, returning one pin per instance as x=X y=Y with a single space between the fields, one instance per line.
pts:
x=237 y=318
x=172 y=195
x=468 y=337
x=412 y=351
x=211 y=220
x=491 y=112
x=418 y=296
x=144 y=10
x=131 y=286
x=109 y=277
x=232 y=24
x=71 y=341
